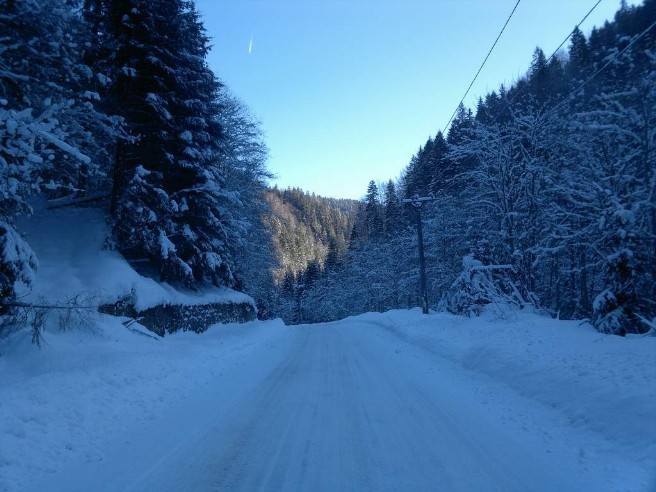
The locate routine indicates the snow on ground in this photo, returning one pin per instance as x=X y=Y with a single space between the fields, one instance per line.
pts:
x=392 y=401
x=84 y=393
x=604 y=383
x=69 y=244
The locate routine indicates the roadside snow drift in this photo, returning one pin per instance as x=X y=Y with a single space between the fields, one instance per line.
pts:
x=394 y=401
x=69 y=244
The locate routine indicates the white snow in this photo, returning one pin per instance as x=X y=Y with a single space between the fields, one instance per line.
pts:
x=69 y=402
x=598 y=382
x=393 y=401
x=64 y=146
x=69 y=244
x=187 y=136
x=103 y=79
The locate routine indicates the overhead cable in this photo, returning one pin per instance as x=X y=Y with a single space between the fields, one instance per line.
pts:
x=482 y=65
x=521 y=89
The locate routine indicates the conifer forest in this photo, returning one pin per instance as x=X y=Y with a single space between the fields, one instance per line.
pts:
x=183 y=307
x=543 y=194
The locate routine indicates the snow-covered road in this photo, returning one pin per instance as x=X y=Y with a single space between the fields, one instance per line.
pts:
x=343 y=411
x=382 y=401
x=362 y=404
x=352 y=406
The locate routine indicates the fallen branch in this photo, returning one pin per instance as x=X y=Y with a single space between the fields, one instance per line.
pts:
x=66 y=202
x=128 y=324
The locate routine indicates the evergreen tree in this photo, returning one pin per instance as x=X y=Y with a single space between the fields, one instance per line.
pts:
x=409 y=183
x=579 y=55
x=169 y=196
x=462 y=121
x=454 y=168
x=392 y=210
x=439 y=165
x=372 y=210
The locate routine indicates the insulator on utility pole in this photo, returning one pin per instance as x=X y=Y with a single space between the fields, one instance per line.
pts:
x=417 y=201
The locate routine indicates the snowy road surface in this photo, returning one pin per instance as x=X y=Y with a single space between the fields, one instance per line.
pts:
x=353 y=406
x=382 y=401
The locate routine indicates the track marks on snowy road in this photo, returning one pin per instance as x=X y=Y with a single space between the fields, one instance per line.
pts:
x=297 y=427
x=342 y=411
x=419 y=446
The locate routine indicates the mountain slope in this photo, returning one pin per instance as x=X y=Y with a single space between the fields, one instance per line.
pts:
x=306 y=228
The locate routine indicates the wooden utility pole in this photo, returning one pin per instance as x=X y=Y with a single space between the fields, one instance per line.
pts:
x=417 y=201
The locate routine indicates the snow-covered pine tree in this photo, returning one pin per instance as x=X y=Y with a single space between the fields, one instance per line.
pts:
x=480 y=285
x=452 y=169
x=169 y=189
x=373 y=212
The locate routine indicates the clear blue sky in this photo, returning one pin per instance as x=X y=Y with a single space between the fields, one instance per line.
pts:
x=347 y=90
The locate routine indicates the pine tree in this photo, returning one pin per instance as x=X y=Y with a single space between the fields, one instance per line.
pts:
x=453 y=168
x=438 y=165
x=579 y=55
x=462 y=121
x=392 y=211
x=410 y=178
x=373 y=216
x=538 y=77
x=168 y=196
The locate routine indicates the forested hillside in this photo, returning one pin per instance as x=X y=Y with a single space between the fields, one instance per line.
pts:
x=308 y=229
x=544 y=195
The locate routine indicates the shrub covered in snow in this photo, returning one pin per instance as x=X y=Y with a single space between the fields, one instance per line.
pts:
x=481 y=285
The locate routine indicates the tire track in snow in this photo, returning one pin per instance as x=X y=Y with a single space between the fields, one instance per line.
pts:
x=351 y=408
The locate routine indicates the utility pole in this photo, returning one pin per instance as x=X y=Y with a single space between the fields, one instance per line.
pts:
x=417 y=201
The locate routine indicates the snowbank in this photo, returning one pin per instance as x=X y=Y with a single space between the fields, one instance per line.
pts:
x=70 y=401
x=603 y=383
x=69 y=244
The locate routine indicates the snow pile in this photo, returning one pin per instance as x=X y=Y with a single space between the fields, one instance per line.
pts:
x=599 y=382
x=82 y=394
x=113 y=402
x=69 y=244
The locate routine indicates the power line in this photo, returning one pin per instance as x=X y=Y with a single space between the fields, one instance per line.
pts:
x=615 y=57
x=482 y=65
x=570 y=34
x=522 y=88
